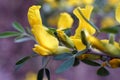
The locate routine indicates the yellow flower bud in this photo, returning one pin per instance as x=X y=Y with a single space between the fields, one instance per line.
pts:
x=65 y=39
x=114 y=63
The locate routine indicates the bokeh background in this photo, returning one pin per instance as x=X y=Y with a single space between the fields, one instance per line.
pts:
x=10 y=52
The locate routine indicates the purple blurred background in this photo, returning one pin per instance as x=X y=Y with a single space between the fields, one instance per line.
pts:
x=10 y=52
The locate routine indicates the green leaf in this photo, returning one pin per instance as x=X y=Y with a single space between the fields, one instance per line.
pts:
x=66 y=65
x=21 y=39
x=17 y=67
x=62 y=56
x=9 y=34
x=40 y=74
x=103 y=72
x=114 y=29
x=47 y=73
x=89 y=62
x=20 y=62
x=18 y=27
x=88 y=21
x=24 y=59
x=77 y=62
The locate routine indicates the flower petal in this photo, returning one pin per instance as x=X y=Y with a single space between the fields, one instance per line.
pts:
x=83 y=25
x=114 y=63
x=34 y=16
x=65 y=21
x=78 y=44
x=41 y=50
x=43 y=38
x=62 y=49
x=117 y=13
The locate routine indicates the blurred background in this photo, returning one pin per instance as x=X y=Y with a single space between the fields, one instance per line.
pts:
x=10 y=52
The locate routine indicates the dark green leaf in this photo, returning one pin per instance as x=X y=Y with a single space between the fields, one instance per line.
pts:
x=23 y=60
x=18 y=27
x=88 y=21
x=40 y=74
x=17 y=67
x=9 y=34
x=89 y=62
x=62 y=56
x=103 y=72
x=66 y=65
x=21 y=39
x=113 y=30
x=47 y=73
x=77 y=62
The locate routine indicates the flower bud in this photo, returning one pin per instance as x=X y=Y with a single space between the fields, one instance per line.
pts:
x=65 y=39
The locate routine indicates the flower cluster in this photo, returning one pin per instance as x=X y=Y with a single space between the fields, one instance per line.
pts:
x=61 y=44
x=83 y=45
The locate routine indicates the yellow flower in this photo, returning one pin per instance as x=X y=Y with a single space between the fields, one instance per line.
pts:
x=83 y=25
x=65 y=21
x=88 y=2
x=112 y=2
x=31 y=76
x=117 y=13
x=52 y=3
x=73 y=2
x=78 y=43
x=114 y=63
x=47 y=43
x=107 y=22
x=52 y=20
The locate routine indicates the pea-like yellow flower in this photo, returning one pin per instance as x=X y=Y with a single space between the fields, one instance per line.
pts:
x=114 y=63
x=107 y=22
x=117 y=13
x=47 y=43
x=112 y=2
x=65 y=21
x=52 y=3
x=83 y=25
x=87 y=2
x=73 y=2
x=31 y=76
